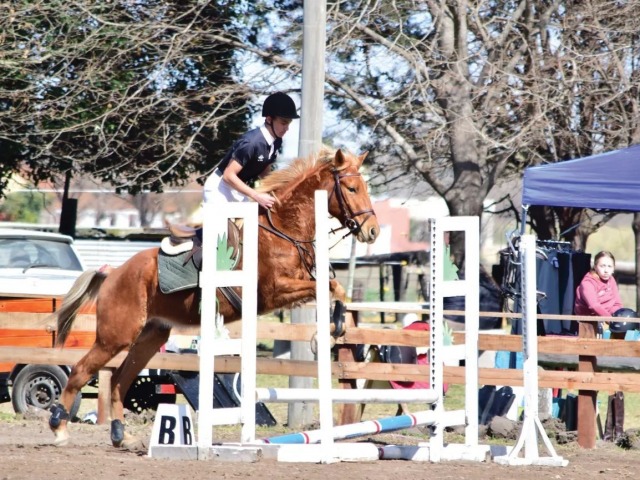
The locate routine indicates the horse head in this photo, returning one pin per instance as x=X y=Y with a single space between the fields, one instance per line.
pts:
x=338 y=173
x=349 y=200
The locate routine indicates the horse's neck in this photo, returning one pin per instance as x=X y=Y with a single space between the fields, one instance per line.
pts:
x=297 y=221
x=296 y=214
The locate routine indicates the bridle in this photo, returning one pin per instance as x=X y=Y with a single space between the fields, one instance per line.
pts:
x=307 y=257
x=348 y=214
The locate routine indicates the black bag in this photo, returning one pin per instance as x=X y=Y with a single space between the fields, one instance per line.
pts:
x=494 y=403
x=398 y=354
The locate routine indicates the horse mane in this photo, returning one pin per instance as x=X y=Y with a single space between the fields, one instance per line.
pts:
x=297 y=170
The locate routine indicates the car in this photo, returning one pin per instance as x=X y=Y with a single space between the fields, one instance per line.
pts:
x=36 y=264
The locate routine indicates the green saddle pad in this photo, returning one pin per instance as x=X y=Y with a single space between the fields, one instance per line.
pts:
x=174 y=275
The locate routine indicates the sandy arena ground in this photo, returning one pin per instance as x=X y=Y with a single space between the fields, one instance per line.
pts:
x=27 y=453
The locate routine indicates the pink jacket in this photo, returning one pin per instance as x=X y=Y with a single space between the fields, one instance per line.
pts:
x=595 y=297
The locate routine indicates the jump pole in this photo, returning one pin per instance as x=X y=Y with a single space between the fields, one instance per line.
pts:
x=341 y=432
x=325 y=451
x=323 y=298
x=318 y=446
x=439 y=289
x=434 y=450
x=215 y=224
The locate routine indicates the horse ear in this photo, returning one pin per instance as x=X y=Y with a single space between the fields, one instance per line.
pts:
x=361 y=158
x=339 y=160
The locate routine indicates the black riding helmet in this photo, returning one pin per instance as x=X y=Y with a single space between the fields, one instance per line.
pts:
x=279 y=105
x=621 y=327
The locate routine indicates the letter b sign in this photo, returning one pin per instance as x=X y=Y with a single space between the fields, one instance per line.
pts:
x=172 y=426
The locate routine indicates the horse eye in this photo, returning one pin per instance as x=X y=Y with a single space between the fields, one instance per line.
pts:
x=351 y=189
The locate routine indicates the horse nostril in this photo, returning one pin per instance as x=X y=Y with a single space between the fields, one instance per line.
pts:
x=373 y=233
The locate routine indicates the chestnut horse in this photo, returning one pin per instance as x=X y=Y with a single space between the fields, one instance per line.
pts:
x=132 y=313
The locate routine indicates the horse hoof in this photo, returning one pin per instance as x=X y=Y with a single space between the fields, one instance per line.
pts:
x=117 y=433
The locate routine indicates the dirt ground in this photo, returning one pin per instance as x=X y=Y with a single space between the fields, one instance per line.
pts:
x=26 y=453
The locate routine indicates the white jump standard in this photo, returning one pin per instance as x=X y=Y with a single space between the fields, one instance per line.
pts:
x=531 y=425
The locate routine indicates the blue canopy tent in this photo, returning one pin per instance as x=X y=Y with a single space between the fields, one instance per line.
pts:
x=605 y=181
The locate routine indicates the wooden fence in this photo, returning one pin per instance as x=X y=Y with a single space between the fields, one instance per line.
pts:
x=581 y=353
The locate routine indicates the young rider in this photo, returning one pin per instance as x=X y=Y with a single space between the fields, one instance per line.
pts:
x=251 y=156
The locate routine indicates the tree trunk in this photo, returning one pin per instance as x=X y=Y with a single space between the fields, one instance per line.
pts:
x=472 y=206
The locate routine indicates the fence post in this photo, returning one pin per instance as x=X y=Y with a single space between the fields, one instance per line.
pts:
x=104 y=395
x=587 y=398
x=300 y=414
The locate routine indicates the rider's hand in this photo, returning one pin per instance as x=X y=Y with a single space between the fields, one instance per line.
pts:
x=265 y=200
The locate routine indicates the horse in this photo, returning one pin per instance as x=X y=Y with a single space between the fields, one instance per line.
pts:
x=132 y=312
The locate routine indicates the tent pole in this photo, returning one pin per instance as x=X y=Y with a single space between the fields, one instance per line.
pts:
x=525 y=209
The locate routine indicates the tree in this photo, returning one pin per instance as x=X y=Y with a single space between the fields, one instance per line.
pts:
x=134 y=94
x=464 y=95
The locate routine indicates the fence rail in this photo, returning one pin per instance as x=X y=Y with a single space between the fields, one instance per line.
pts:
x=615 y=360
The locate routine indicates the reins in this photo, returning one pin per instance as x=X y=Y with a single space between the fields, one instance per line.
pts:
x=302 y=251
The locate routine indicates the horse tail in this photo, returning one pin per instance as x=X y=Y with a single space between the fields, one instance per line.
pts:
x=84 y=289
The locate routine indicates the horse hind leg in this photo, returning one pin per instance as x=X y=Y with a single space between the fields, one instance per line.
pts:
x=88 y=366
x=152 y=337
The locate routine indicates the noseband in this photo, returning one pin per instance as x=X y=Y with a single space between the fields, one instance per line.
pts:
x=347 y=212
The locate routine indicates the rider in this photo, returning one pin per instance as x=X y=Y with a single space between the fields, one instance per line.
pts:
x=251 y=156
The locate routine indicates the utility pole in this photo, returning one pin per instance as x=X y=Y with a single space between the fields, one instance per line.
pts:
x=313 y=52
x=69 y=212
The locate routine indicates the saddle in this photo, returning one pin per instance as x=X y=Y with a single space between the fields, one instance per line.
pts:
x=180 y=259
x=183 y=238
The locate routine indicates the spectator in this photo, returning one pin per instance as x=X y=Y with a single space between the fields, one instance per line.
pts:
x=598 y=295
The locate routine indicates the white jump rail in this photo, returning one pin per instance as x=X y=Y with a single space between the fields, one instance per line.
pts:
x=434 y=450
x=469 y=289
x=326 y=451
x=215 y=225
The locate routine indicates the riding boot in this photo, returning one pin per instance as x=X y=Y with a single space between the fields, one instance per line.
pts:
x=608 y=427
x=618 y=402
